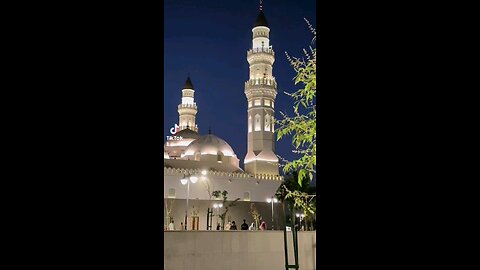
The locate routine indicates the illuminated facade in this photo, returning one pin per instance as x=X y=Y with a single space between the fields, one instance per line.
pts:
x=212 y=160
x=261 y=91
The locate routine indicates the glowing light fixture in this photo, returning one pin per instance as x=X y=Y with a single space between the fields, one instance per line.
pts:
x=184 y=181
x=193 y=179
x=204 y=172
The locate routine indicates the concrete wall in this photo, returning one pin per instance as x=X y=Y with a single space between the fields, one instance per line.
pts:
x=235 y=250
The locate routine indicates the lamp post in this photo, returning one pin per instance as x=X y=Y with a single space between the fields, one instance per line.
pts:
x=301 y=216
x=272 y=200
x=186 y=181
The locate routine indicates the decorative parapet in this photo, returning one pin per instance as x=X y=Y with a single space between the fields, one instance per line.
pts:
x=261 y=82
x=261 y=50
x=178 y=171
x=260 y=55
x=190 y=106
x=261 y=87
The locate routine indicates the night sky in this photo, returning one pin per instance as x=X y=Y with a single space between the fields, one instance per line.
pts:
x=209 y=40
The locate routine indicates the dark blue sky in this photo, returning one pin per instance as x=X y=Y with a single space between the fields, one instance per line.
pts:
x=209 y=40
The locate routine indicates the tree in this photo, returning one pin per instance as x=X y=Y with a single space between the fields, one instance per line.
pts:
x=255 y=215
x=224 y=195
x=303 y=124
x=169 y=209
x=301 y=195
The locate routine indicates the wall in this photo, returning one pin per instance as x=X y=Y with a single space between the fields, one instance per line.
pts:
x=235 y=250
x=259 y=189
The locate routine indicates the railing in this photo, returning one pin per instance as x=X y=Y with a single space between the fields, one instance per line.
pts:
x=261 y=50
x=224 y=174
x=262 y=81
x=193 y=106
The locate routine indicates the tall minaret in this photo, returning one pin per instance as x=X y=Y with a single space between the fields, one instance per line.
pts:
x=261 y=90
x=188 y=108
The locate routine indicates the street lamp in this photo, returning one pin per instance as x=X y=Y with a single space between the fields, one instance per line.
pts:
x=185 y=181
x=301 y=216
x=272 y=200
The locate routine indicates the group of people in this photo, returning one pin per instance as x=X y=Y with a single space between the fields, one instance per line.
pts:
x=231 y=226
x=171 y=226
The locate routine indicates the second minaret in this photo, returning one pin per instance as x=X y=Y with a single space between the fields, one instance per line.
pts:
x=261 y=91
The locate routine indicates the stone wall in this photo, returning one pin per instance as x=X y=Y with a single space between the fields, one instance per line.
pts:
x=235 y=250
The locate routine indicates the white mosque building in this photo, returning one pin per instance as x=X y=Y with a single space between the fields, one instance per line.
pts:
x=196 y=164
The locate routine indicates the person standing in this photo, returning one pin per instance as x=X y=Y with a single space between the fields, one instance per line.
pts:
x=227 y=226
x=218 y=226
x=234 y=226
x=244 y=225
x=181 y=226
x=252 y=227
x=171 y=226
x=263 y=226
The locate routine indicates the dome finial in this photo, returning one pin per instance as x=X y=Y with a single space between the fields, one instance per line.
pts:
x=261 y=5
x=209 y=130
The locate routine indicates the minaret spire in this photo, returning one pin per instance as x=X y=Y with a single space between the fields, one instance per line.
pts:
x=187 y=110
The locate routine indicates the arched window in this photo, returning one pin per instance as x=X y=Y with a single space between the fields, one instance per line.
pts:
x=250 y=123
x=219 y=157
x=197 y=156
x=257 y=123
x=267 y=122
x=246 y=196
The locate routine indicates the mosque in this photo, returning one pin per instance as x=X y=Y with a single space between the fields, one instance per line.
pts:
x=195 y=165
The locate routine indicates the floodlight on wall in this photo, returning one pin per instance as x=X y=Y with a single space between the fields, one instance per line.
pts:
x=193 y=179
x=204 y=172
x=184 y=181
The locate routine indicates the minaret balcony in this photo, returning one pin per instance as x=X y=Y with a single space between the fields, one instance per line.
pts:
x=261 y=82
x=187 y=106
x=261 y=54
x=261 y=89
x=261 y=50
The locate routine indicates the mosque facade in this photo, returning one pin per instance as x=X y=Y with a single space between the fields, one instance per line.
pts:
x=195 y=165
